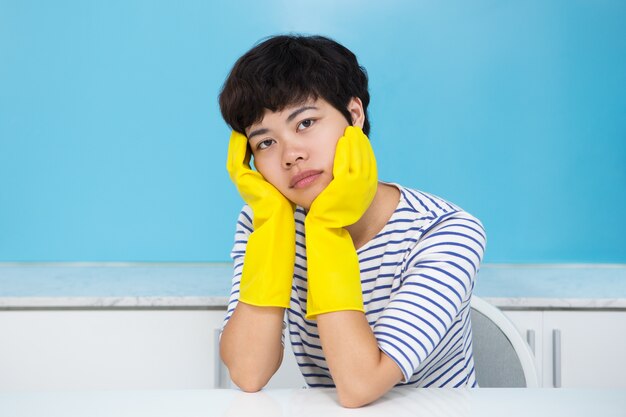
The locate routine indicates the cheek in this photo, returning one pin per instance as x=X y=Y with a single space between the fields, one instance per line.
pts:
x=268 y=169
x=329 y=152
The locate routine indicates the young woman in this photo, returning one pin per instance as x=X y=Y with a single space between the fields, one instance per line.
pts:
x=375 y=278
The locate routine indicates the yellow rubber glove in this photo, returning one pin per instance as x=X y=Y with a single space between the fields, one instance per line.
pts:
x=271 y=250
x=334 y=279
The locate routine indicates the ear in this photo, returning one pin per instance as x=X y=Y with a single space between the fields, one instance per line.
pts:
x=355 y=107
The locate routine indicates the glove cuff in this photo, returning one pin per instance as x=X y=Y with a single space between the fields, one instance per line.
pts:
x=333 y=275
x=267 y=276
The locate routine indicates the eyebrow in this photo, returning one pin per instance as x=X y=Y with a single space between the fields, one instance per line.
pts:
x=289 y=119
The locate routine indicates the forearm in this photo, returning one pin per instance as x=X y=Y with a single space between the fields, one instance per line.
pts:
x=250 y=345
x=361 y=371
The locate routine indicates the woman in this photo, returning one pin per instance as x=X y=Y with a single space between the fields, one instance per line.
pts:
x=376 y=279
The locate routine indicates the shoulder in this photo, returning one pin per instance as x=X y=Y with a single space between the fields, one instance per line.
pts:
x=430 y=207
x=425 y=203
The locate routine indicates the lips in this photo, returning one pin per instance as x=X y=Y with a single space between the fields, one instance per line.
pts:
x=304 y=178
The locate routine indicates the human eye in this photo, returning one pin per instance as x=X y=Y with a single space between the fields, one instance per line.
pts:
x=305 y=124
x=264 y=144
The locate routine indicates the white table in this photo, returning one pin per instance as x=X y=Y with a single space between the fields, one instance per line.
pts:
x=502 y=402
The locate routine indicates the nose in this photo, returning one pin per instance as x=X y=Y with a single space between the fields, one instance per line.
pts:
x=293 y=154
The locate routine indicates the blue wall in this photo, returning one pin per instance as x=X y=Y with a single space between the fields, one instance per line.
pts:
x=112 y=147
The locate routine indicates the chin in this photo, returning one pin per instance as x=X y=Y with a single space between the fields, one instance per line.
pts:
x=305 y=199
x=305 y=204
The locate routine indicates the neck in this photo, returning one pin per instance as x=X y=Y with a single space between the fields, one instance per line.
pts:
x=376 y=216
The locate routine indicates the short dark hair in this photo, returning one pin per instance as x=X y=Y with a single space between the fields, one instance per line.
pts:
x=286 y=70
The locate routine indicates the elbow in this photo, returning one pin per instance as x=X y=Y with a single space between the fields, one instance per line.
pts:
x=250 y=387
x=248 y=382
x=355 y=395
x=248 y=375
x=352 y=402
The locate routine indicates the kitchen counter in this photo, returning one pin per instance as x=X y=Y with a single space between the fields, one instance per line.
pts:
x=207 y=285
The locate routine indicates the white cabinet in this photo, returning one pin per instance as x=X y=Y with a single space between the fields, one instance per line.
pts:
x=592 y=349
x=576 y=349
x=107 y=349
x=118 y=349
x=177 y=349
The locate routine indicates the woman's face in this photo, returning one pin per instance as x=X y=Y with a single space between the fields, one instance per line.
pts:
x=294 y=149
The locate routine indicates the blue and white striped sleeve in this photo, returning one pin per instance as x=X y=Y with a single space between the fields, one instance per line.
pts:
x=437 y=283
x=242 y=233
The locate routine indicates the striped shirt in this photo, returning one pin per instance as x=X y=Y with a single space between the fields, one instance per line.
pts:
x=417 y=277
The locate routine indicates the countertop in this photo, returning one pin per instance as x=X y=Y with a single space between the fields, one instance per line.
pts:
x=207 y=285
x=400 y=402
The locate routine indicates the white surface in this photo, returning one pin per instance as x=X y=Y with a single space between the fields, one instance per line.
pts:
x=207 y=285
x=558 y=303
x=221 y=302
x=509 y=402
x=112 y=302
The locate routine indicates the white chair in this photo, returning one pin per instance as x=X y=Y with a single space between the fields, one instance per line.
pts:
x=502 y=358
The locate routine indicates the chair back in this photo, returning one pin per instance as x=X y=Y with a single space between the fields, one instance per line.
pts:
x=502 y=357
